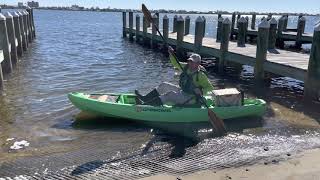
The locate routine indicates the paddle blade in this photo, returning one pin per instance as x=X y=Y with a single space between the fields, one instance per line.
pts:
x=146 y=13
x=217 y=123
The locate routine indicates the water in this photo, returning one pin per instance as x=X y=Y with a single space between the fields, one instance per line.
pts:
x=85 y=51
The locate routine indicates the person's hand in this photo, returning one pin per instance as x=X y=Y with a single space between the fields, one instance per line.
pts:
x=170 y=50
x=198 y=91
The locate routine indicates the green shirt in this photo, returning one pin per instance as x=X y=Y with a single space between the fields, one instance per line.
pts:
x=201 y=81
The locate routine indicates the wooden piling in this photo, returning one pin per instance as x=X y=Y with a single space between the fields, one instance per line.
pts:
x=281 y=28
x=286 y=22
x=25 y=25
x=242 y=26
x=12 y=38
x=238 y=17
x=226 y=28
x=155 y=19
x=187 y=26
x=29 y=10
x=131 y=26
x=145 y=31
x=233 y=24
x=137 y=28
x=219 y=15
x=1 y=74
x=23 y=32
x=312 y=82
x=300 y=30
x=5 y=46
x=30 y=36
x=269 y=17
x=198 y=34
x=262 y=46
x=175 y=23
x=272 y=33
x=180 y=35
x=32 y=24
x=165 y=24
x=17 y=33
x=124 y=24
x=204 y=25
x=253 y=21
x=219 y=29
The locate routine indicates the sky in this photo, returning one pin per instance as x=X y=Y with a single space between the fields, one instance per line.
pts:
x=303 y=6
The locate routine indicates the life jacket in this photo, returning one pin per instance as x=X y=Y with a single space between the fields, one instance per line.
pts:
x=186 y=80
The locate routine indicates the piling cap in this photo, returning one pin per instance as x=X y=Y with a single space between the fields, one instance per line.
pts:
x=204 y=18
x=264 y=24
x=247 y=18
x=28 y=7
x=180 y=18
x=25 y=12
x=165 y=17
x=302 y=19
x=8 y=15
x=20 y=14
x=220 y=19
x=154 y=16
x=317 y=27
x=175 y=16
x=15 y=14
x=137 y=15
x=199 y=19
x=2 y=17
x=273 y=21
x=283 y=18
x=242 y=20
x=226 y=21
x=188 y=17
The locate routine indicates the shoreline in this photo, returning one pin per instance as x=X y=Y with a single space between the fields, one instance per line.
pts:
x=304 y=165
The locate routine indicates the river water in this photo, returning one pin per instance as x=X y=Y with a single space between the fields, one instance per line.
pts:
x=85 y=51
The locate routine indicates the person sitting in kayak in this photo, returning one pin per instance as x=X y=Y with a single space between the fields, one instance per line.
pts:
x=193 y=82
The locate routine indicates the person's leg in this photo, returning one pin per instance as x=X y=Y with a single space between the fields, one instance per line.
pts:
x=176 y=98
x=165 y=87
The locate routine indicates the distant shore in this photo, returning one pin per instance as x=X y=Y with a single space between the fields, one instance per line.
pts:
x=160 y=11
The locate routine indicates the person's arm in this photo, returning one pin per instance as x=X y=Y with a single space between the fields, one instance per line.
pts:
x=175 y=63
x=205 y=83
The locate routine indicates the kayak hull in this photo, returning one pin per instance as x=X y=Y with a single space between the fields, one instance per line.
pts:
x=125 y=107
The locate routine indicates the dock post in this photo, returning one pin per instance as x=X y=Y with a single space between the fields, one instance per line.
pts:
x=204 y=25
x=30 y=36
x=145 y=31
x=219 y=29
x=286 y=22
x=155 y=19
x=12 y=38
x=187 y=26
x=29 y=10
x=262 y=46
x=226 y=25
x=300 y=31
x=5 y=46
x=180 y=35
x=198 y=34
x=238 y=17
x=165 y=24
x=269 y=17
x=219 y=15
x=137 y=28
x=131 y=26
x=124 y=24
x=300 y=16
x=17 y=33
x=32 y=23
x=26 y=31
x=253 y=21
x=242 y=25
x=233 y=21
x=281 y=28
x=272 y=33
x=312 y=83
x=175 y=23
x=23 y=32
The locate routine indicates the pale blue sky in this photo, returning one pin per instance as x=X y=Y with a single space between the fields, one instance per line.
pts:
x=307 y=6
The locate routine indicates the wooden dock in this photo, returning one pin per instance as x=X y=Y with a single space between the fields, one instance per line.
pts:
x=17 y=31
x=265 y=56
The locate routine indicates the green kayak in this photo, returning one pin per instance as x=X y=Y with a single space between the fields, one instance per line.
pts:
x=123 y=106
